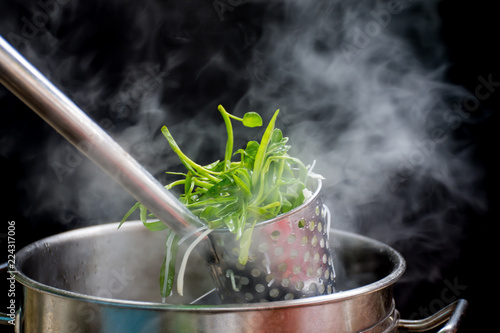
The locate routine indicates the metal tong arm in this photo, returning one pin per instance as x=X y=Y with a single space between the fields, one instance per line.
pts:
x=36 y=91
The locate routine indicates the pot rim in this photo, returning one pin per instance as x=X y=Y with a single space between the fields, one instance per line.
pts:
x=395 y=257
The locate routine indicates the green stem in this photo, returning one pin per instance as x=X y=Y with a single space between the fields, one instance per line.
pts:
x=261 y=152
x=196 y=167
x=230 y=139
x=202 y=183
x=176 y=183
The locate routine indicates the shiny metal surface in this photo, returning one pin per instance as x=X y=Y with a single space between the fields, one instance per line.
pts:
x=27 y=83
x=33 y=88
x=451 y=315
x=289 y=257
x=388 y=325
x=100 y=279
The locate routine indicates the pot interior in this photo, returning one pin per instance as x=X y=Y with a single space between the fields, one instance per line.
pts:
x=123 y=264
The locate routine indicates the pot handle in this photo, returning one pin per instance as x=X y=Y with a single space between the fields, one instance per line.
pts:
x=452 y=315
x=5 y=319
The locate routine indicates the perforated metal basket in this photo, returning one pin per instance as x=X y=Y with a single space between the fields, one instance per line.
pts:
x=289 y=257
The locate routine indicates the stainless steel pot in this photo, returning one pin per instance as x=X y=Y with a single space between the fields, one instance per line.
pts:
x=100 y=279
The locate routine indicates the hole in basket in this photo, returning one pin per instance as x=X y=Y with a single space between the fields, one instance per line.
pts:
x=282 y=267
x=255 y=272
x=270 y=278
x=302 y=223
x=274 y=292
x=263 y=247
x=252 y=257
x=248 y=297
x=311 y=225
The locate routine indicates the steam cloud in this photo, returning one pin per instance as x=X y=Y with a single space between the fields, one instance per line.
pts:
x=360 y=84
x=363 y=92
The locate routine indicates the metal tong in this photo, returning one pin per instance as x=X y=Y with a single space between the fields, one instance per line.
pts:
x=292 y=259
x=36 y=91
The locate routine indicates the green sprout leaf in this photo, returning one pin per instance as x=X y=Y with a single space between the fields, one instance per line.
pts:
x=252 y=119
x=231 y=193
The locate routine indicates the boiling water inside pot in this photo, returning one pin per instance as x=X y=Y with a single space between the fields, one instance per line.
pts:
x=124 y=265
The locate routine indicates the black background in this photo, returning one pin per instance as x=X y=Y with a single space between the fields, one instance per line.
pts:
x=469 y=32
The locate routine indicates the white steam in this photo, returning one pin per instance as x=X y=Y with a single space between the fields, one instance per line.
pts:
x=362 y=88
x=360 y=85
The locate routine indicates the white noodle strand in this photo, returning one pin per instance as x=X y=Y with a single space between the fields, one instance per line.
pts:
x=191 y=234
x=182 y=269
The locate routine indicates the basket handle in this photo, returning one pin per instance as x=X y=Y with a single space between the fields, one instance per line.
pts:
x=451 y=314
